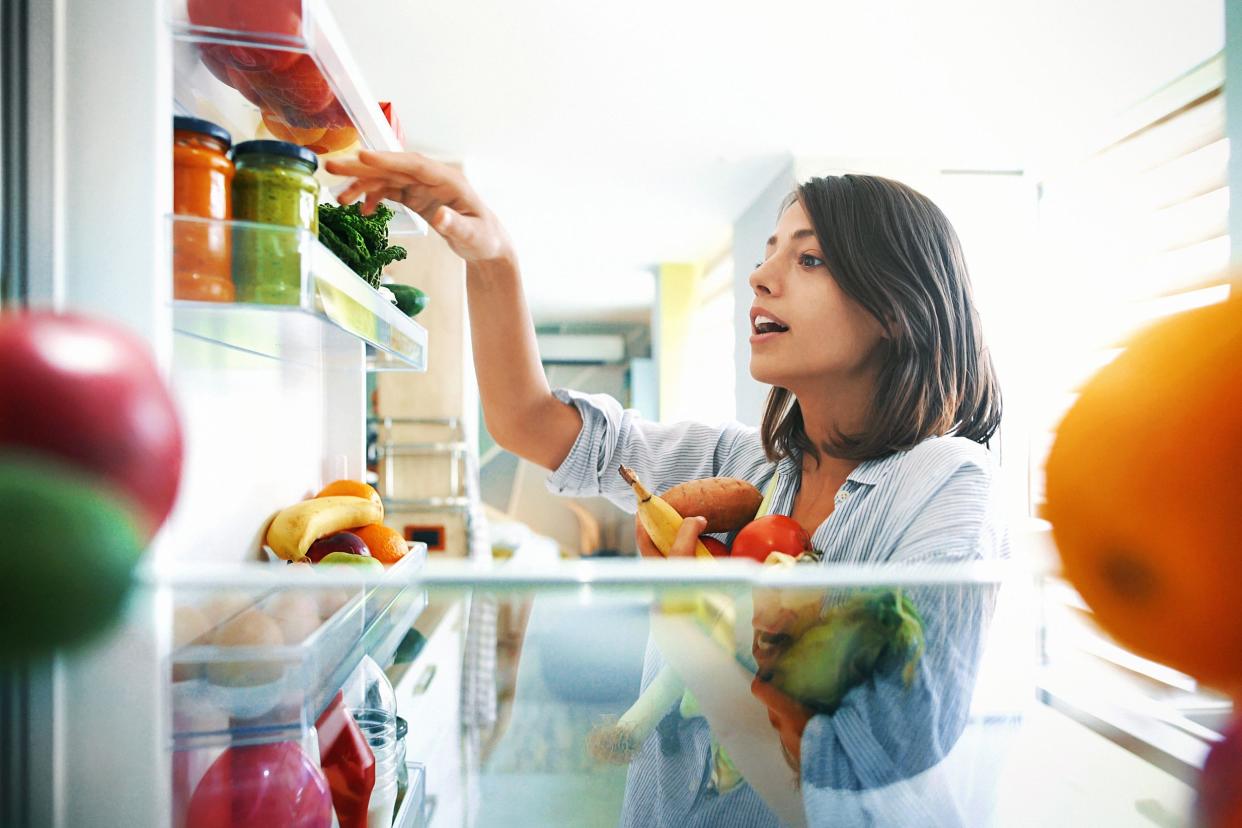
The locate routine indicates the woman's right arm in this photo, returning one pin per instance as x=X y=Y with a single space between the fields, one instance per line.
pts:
x=518 y=406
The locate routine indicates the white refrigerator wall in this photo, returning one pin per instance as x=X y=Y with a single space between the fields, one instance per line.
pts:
x=261 y=434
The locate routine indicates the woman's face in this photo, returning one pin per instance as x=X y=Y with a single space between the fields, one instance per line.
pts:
x=804 y=329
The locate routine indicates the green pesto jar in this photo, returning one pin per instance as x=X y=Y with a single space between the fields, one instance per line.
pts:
x=274 y=183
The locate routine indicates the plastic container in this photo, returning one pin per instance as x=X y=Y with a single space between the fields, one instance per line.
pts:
x=202 y=188
x=369 y=687
x=274 y=184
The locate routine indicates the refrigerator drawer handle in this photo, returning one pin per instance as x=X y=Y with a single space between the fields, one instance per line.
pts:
x=424 y=681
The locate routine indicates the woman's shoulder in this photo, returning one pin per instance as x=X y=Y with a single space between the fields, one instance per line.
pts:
x=937 y=459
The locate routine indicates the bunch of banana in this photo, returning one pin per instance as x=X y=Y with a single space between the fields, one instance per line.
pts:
x=659 y=518
x=294 y=529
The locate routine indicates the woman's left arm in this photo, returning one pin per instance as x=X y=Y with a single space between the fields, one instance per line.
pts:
x=886 y=730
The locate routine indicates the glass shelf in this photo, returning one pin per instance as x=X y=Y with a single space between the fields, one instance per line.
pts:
x=253 y=689
x=288 y=324
x=279 y=69
x=954 y=691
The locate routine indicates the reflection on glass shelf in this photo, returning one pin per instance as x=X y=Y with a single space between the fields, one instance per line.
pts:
x=279 y=69
x=287 y=286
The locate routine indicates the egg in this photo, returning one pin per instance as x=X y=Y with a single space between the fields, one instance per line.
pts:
x=252 y=628
x=296 y=613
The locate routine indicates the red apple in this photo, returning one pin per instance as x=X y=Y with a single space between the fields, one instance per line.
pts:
x=87 y=392
x=262 y=786
x=717 y=548
x=1219 y=803
x=340 y=542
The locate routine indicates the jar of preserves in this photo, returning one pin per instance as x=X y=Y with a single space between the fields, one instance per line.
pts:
x=274 y=184
x=202 y=189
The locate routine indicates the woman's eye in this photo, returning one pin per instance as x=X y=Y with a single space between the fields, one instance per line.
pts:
x=807 y=260
x=758 y=265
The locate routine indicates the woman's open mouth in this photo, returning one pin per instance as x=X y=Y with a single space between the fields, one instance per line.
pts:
x=764 y=326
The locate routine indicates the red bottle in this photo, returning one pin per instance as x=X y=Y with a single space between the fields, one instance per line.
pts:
x=347 y=762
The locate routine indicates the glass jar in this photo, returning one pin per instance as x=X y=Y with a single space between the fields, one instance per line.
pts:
x=380 y=729
x=202 y=184
x=403 y=771
x=274 y=184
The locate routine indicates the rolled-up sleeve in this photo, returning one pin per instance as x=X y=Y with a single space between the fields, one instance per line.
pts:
x=662 y=455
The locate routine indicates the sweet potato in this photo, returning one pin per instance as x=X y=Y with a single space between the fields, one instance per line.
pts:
x=727 y=503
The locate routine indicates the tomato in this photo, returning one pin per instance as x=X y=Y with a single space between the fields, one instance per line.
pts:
x=88 y=393
x=718 y=549
x=768 y=534
x=300 y=86
x=281 y=19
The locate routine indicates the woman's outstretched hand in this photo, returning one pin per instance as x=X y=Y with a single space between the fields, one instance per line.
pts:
x=437 y=192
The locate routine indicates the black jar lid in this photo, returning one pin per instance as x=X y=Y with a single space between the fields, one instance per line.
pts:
x=184 y=123
x=278 y=148
x=403 y=727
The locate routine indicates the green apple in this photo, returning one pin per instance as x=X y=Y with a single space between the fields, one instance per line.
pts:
x=351 y=559
x=67 y=550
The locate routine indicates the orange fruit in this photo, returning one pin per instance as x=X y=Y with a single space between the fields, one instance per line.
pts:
x=285 y=132
x=1145 y=498
x=350 y=488
x=334 y=139
x=386 y=544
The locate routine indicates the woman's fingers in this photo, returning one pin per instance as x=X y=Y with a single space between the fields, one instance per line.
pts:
x=406 y=165
x=646 y=547
x=360 y=187
x=687 y=536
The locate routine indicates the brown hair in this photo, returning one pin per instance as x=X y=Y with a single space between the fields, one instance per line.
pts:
x=893 y=252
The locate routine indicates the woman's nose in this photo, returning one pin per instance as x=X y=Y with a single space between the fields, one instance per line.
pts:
x=761 y=281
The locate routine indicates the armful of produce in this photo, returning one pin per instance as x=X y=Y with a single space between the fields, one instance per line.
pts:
x=810 y=653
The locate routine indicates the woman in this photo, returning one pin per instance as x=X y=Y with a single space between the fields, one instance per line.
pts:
x=883 y=400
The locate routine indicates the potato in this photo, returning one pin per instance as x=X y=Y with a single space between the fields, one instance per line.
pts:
x=727 y=503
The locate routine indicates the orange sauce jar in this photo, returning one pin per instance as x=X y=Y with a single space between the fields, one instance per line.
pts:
x=202 y=186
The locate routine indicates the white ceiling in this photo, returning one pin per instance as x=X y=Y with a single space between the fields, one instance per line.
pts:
x=613 y=136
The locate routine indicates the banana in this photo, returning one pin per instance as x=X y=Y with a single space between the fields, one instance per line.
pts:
x=659 y=518
x=294 y=529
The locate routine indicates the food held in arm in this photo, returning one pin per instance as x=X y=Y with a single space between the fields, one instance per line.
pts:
x=726 y=503
x=658 y=518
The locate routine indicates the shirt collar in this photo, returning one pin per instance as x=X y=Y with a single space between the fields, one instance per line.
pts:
x=868 y=472
x=871 y=472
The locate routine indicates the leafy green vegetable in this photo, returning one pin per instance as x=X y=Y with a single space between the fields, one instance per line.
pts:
x=852 y=640
x=360 y=241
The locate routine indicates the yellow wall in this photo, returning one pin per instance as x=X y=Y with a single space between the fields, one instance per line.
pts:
x=678 y=295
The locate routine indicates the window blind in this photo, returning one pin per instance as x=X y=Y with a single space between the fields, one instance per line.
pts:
x=1135 y=231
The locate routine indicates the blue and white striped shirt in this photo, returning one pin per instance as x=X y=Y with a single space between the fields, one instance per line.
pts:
x=937 y=502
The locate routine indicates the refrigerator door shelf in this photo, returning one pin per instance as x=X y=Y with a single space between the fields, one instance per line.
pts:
x=249 y=679
x=323 y=313
x=411 y=811
x=279 y=70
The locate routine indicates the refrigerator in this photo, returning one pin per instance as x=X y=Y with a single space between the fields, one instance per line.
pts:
x=537 y=691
